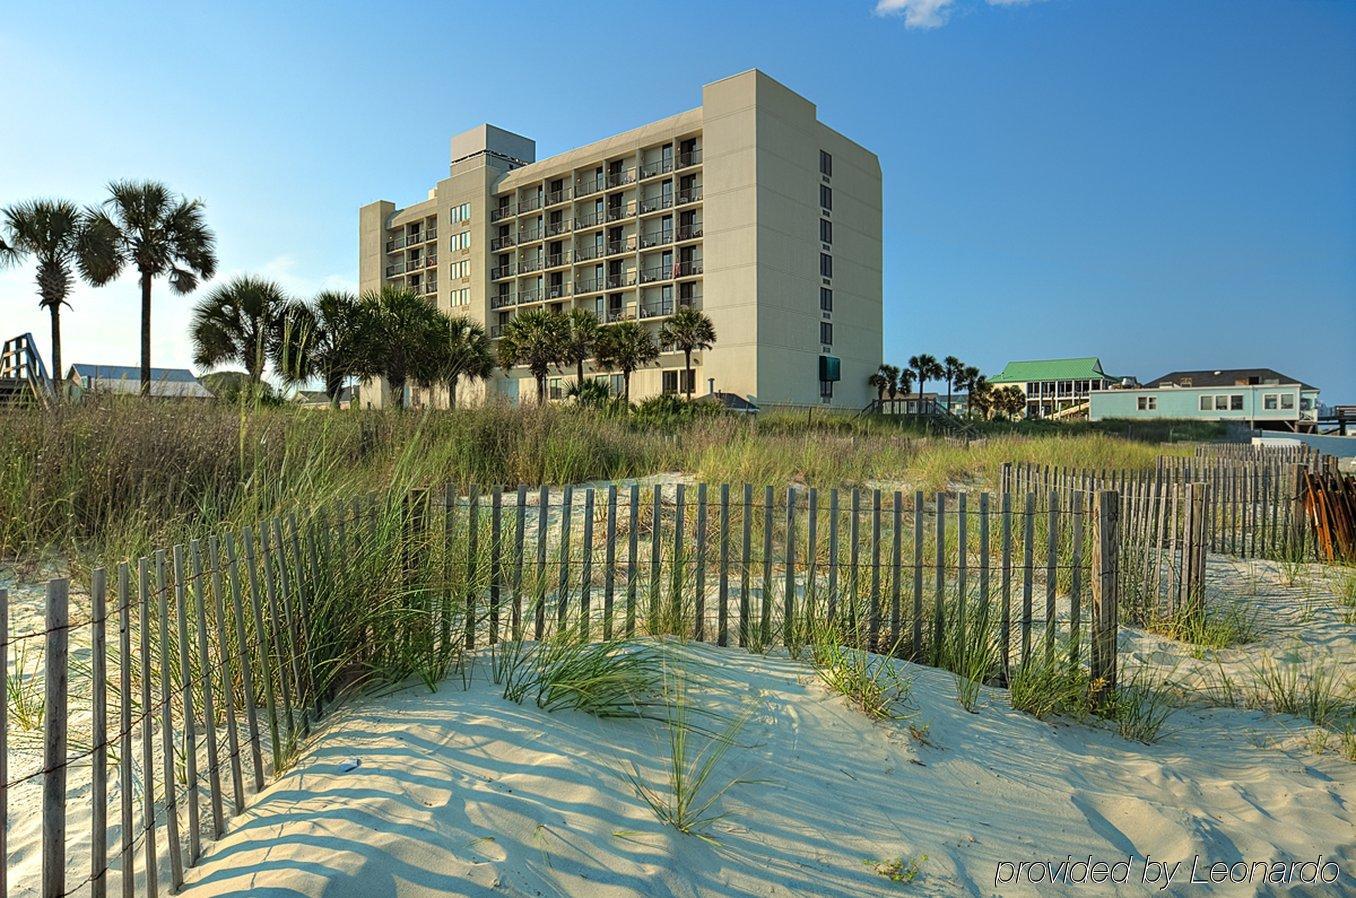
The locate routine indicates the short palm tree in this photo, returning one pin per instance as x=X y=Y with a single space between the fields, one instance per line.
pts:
x=143 y=225
x=239 y=322
x=580 y=341
x=926 y=368
x=397 y=334
x=970 y=379
x=952 y=369
x=465 y=353
x=52 y=232
x=688 y=331
x=591 y=392
x=319 y=340
x=905 y=384
x=536 y=339
x=626 y=347
x=880 y=383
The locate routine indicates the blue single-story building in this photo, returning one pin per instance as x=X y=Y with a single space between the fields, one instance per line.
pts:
x=1259 y=397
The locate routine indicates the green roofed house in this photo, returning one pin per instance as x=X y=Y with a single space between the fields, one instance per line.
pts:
x=1058 y=388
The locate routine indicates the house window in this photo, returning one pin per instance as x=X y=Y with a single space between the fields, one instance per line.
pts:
x=678 y=380
x=555 y=389
x=1236 y=402
x=1269 y=402
x=826 y=333
x=825 y=163
x=826 y=389
x=825 y=231
x=826 y=299
x=825 y=196
x=1148 y=403
x=1288 y=401
x=1206 y=403
x=825 y=265
x=617 y=385
x=1221 y=403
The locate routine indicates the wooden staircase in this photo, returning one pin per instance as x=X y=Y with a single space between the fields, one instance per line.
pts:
x=932 y=415
x=23 y=376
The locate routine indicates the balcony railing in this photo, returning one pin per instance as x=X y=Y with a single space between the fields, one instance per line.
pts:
x=689 y=268
x=495 y=331
x=554 y=260
x=502 y=241
x=526 y=266
x=501 y=212
x=657 y=238
x=655 y=309
x=662 y=167
x=430 y=233
x=618 y=281
x=689 y=231
x=526 y=296
x=559 y=227
x=557 y=291
x=558 y=196
x=501 y=271
x=692 y=157
x=617 y=213
x=528 y=235
x=430 y=260
x=692 y=195
x=619 y=178
x=656 y=273
x=586 y=186
x=393 y=270
x=530 y=204
x=625 y=245
x=588 y=285
x=395 y=243
x=503 y=300
x=654 y=204
x=615 y=315
x=589 y=220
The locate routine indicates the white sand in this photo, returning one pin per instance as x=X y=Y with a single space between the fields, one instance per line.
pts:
x=462 y=792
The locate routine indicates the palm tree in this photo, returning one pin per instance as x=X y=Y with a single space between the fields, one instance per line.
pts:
x=952 y=368
x=240 y=321
x=969 y=378
x=319 y=340
x=880 y=383
x=626 y=346
x=536 y=339
x=397 y=336
x=688 y=330
x=465 y=352
x=580 y=340
x=905 y=385
x=143 y=225
x=891 y=375
x=592 y=392
x=52 y=232
x=980 y=397
x=927 y=369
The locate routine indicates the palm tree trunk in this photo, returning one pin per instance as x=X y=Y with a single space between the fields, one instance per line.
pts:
x=145 y=333
x=541 y=390
x=948 y=395
x=626 y=386
x=579 y=377
x=452 y=392
x=57 y=390
x=687 y=374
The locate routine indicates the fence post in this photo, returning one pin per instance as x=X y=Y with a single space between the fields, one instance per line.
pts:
x=1297 y=516
x=1105 y=586
x=54 y=741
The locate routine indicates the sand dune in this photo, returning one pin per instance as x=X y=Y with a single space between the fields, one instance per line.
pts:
x=462 y=792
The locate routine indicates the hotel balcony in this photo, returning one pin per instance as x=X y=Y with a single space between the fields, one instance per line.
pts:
x=624 y=245
x=526 y=266
x=395 y=243
x=591 y=251
x=690 y=268
x=656 y=168
x=501 y=271
x=396 y=269
x=564 y=226
x=531 y=204
x=656 y=204
x=555 y=260
x=621 y=178
x=689 y=159
x=558 y=291
x=587 y=285
x=589 y=220
x=655 y=309
x=529 y=235
x=691 y=195
x=430 y=261
x=503 y=241
x=496 y=330
x=502 y=212
x=503 y=300
x=527 y=296
x=564 y=194
x=656 y=238
x=689 y=231
x=617 y=213
x=585 y=186
x=620 y=281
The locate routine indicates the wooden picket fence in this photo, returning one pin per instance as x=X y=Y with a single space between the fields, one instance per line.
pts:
x=212 y=661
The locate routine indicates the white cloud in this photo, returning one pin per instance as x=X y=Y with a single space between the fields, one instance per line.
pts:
x=930 y=13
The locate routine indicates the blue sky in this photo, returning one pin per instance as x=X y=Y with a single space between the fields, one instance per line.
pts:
x=1162 y=183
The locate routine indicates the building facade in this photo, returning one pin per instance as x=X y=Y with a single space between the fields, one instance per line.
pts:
x=747 y=207
x=1056 y=386
x=1259 y=397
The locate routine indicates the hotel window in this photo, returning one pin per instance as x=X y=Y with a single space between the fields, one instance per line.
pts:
x=826 y=389
x=826 y=333
x=1221 y=403
x=1269 y=402
x=461 y=213
x=826 y=299
x=825 y=196
x=461 y=240
x=461 y=297
x=1236 y=402
x=825 y=265
x=617 y=385
x=1148 y=403
x=678 y=381
x=825 y=163
x=825 y=231
x=1287 y=400
x=1206 y=403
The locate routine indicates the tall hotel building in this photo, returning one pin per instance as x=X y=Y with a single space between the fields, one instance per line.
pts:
x=747 y=207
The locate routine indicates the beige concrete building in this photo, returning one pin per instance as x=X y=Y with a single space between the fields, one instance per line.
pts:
x=747 y=207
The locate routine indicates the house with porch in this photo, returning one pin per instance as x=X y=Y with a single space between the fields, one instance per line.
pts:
x=1057 y=387
x=1262 y=398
